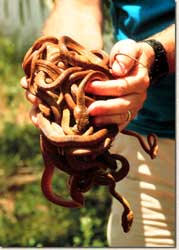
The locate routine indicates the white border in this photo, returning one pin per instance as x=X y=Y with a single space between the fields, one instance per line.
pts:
x=177 y=175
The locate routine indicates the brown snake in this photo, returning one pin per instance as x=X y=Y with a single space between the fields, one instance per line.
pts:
x=57 y=71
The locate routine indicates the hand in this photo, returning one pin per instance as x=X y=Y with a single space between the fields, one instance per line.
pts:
x=33 y=99
x=130 y=62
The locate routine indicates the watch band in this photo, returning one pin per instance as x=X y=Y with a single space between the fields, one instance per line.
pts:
x=160 y=66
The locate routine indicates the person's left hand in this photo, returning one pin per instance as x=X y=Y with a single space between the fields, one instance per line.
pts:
x=130 y=63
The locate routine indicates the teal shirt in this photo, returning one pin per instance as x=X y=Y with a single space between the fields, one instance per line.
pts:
x=138 y=20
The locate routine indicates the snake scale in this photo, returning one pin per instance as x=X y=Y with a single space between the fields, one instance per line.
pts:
x=57 y=71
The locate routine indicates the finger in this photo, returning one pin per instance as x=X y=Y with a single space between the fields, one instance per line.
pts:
x=116 y=105
x=118 y=68
x=32 y=98
x=122 y=54
x=110 y=119
x=23 y=82
x=136 y=82
x=121 y=119
x=133 y=115
x=33 y=115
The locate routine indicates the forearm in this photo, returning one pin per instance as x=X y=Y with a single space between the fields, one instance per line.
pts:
x=80 y=19
x=167 y=38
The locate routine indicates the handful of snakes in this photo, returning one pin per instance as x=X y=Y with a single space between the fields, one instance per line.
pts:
x=57 y=71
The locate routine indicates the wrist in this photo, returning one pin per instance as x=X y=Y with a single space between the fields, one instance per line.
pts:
x=158 y=60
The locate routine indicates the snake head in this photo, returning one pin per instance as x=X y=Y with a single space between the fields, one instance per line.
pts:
x=81 y=118
x=127 y=220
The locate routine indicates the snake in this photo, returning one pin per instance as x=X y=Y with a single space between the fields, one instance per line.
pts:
x=57 y=72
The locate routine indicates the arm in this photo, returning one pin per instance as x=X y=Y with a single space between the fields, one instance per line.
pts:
x=80 y=19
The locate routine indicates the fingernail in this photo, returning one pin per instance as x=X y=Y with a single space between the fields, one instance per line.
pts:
x=119 y=68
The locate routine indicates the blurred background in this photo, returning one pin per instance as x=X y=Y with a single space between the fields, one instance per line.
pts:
x=27 y=219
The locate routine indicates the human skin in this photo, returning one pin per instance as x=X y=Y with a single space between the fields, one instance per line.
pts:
x=130 y=61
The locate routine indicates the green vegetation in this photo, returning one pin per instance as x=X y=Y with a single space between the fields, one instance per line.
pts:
x=27 y=219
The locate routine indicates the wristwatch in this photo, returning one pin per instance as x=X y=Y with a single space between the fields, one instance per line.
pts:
x=160 y=66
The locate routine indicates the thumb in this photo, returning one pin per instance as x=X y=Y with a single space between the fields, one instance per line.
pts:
x=122 y=57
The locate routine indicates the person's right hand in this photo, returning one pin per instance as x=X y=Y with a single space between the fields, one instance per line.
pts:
x=33 y=99
x=130 y=62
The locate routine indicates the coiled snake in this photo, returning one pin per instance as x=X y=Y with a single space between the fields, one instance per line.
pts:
x=57 y=71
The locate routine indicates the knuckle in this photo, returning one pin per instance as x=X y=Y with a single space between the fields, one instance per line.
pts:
x=144 y=81
x=120 y=89
x=141 y=99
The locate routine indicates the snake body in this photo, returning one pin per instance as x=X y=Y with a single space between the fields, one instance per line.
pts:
x=57 y=71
